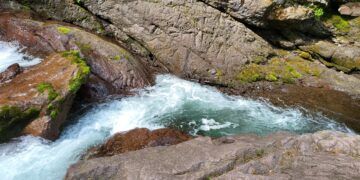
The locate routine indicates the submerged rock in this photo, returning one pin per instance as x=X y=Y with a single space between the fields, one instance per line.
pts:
x=137 y=139
x=37 y=101
x=277 y=156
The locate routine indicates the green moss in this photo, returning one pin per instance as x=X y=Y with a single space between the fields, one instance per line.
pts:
x=251 y=73
x=305 y=55
x=338 y=67
x=54 y=113
x=258 y=59
x=284 y=70
x=117 y=58
x=63 y=30
x=271 y=77
x=338 y=22
x=352 y=64
x=52 y=94
x=318 y=12
x=52 y=110
x=219 y=73
x=83 y=72
x=13 y=120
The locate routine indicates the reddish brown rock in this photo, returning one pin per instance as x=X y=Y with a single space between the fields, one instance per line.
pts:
x=48 y=89
x=136 y=139
x=108 y=61
x=10 y=72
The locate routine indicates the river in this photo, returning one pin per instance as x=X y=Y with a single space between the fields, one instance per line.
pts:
x=171 y=102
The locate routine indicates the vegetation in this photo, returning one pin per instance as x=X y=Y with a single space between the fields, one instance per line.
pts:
x=318 y=12
x=117 y=58
x=286 y=70
x=340 y=23
x=13 y=120
x=83 y=72
x=52 y=94
x=63 y=30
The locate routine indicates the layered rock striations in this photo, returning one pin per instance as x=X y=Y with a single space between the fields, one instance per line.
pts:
x=325 y=155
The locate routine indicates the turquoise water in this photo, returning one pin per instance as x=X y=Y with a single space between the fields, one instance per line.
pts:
x=171 y=102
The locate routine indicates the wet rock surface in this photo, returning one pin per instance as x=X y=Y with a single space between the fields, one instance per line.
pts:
x=137 y=139
x=44 y=91
x=325 y=154
x=108 y=61
x=10 y=73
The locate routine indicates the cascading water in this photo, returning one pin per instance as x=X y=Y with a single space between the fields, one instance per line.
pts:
x=10 y=53
x=171 y=102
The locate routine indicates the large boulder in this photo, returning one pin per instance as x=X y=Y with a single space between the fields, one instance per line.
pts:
x=277 y=156
x=38 y=100
x=189 y=38
x=109 y=62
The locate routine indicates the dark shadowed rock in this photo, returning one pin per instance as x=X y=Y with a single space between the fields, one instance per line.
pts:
x=324 y=155
x=137 y=139
x=10 y=72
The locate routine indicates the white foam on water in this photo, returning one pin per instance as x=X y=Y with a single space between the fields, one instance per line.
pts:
x=205 y=108
x=11 y=52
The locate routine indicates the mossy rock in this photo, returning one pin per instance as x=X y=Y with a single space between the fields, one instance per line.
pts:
x=339 y=22
x=52 y=94
x=63 y=30
x=13 y=120
x=285 y=70
x=83 y=72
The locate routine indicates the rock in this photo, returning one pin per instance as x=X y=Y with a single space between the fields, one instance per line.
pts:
x=108 y=61
x=189 y=38
x=345 y=56
x=202 y=38
x=350 y=9
x=137 y=139
x=294 y=16
x=277 y=156
x=10 y=72
x=291 y=13
x=96 y=89
x=67 y=11
x=37 y=101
